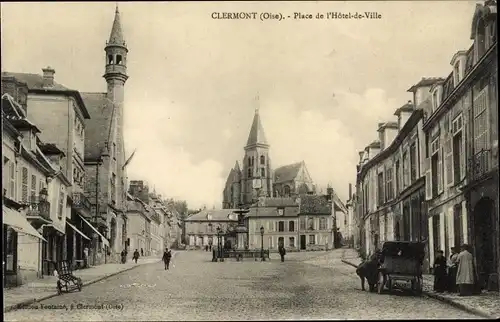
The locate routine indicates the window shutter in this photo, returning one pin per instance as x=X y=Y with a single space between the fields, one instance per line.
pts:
x=431 y=241
x=481 y=126
x=442 y=231
x=24 y=180
x=440 y=170
x=463 y=154
x=12 y=183
x=448 y=152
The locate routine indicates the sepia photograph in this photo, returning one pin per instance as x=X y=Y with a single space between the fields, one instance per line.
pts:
x=250 y=160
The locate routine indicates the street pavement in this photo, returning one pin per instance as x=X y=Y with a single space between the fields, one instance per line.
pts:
x=314 y=285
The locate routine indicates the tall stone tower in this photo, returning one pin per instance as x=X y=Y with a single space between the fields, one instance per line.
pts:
x=256 y=176
x=116 y=76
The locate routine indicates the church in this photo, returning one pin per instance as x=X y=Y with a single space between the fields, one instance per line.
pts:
x=255 y=178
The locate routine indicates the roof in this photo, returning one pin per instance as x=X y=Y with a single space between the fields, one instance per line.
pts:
x=51 y=149
x=212 y=215
x=287 y=172
x=408 y=107
x=288 y=211
x=97 y=128
x=374 y=145
x=35 y=84
x=24 y=124
x=257 y=135
x=315 y=204
x=116 y=35
x=425 y=81
x=279 y=202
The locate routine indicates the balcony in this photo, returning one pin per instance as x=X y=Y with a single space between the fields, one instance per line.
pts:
x=82 y=203
x=38 y=211
x=479 y=166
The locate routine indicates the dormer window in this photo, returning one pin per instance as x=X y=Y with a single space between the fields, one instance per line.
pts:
x=436 y=98
x=456 y=74
x=480 y=39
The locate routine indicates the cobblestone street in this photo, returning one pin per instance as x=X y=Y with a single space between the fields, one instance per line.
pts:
x=307 y=286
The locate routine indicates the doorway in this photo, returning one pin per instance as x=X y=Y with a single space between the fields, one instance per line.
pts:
x=484 y=239
x=302 y=242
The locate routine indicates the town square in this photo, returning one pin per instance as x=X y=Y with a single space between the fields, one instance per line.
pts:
x=250 y=160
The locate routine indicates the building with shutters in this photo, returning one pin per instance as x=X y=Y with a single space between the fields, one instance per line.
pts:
x=461 y=163
x=201 y=227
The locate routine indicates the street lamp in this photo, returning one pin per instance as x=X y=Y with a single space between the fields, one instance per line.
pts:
x=262 y=243
x=219 y=240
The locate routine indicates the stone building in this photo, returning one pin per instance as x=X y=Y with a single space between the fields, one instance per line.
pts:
x=201 y=228
x=139 y=219
x=256 y=178
x=60 y=113
x=104 y=147
x=462 y=150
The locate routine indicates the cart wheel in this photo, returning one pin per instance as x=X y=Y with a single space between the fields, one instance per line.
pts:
x=59 y=288
x=380 y=282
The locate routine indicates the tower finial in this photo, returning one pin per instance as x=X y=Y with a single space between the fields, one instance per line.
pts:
x=117 y=11
x=257 y=99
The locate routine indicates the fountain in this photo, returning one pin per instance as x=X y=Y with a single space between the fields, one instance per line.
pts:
x=241 y=229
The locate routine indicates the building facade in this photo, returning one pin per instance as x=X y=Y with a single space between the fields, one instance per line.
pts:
x=201 y=228
x=256 y=177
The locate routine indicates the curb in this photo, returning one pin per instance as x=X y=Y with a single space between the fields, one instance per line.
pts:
x=446 y=300
x=43 y=298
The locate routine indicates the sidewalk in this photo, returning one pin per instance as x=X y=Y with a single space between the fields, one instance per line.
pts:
x=486 y=305
x=45 y=288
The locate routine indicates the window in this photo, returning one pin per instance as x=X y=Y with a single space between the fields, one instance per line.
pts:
x=481 y=125
x=480 y=38
x=435 y=99
x=310 y=223
x=262 y=159
x=413 y=163
x=322 y=223
x=33 y=186
x=292 y=241
x=436 y=231
x=406 y=170
x=119 y=59
x=312 y=239
x=427 y=146
x=436 y=168
x=281 y=226
x=110 y=59
x=389 y=191
x=249 y=161
x=380 y=191
x=291 y=225
x=286 y=191
x=61 y=205
x=249 y=172
x=262 y=172
x=281 y=241
x=456 y=73
x=253 y=160
x=396 y=179
x=24 y=182
x=457 y=225
x=302 y=223
x=458 y=155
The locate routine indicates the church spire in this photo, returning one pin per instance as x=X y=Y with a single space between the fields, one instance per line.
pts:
x=257 y=135
x=116 y=36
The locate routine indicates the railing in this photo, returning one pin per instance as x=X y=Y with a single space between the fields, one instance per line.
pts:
x=80 y=201
x=38 y=208
x=479 y=165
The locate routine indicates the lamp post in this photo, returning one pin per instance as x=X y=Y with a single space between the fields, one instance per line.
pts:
x=219 y=241
x=262 y=243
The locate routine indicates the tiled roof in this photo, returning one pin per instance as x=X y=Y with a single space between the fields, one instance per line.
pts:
x=279 y=202
x=212 y=215
x=35 y=83
x=50 y=149
x=97 y=128
x=408 y=107
x=287 y=172
x=230 y=178
x=448 y=86
x=425 y=81
x=314 y=204
x=374 y=144
x=257 y=135
x=290 y=211
x=22 y=124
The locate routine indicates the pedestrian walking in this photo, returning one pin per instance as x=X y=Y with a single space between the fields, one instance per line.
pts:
x=465 y=272
x=167 y=257
x=440 y=281
x=142 y=252
x=124 y=256
x=86 y=257
x=282 y=252
x=206 y=248
x=452 y=270
x=136 y=256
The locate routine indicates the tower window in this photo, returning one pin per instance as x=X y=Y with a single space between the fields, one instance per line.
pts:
x=262 y=172
x=262 y=159
x=119 y=59
x=110 y=59
x=249 y=161
x=249 y=172
x=253 y=161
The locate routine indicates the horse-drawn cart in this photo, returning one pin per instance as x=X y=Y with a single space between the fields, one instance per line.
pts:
x=401 y=261
x=67 y=280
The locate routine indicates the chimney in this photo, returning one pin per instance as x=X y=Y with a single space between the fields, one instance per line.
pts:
x=329 y=192
x=350 y=191
x=381 y=135
x=48 y=76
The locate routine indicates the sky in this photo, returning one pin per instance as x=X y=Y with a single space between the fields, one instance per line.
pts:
x=323 y=85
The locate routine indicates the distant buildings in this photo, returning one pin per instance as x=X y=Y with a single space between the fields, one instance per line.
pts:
x=435 y=179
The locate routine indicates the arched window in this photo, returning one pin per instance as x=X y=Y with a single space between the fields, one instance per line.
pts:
x=253 y=161
x=249 y=172
x=286 y=191
x=262 y=172
x=119 y=59
x=110 y=59
x=249 y=161
x=262 y=159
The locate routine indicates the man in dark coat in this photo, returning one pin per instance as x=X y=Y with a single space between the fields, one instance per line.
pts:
x=136 y=256
x=167 y=256
x=369 y=270
x=440 y=276
x=282 y=252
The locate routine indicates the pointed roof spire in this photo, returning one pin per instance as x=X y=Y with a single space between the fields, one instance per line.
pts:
x=257 y=135
x=116 y=36
x=237 y=166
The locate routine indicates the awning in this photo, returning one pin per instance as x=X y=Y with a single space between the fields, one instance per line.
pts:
x=15 y=220
x=61 y=231
x=104 y=240
x=78 y=231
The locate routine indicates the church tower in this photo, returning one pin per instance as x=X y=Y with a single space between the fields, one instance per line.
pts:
x=116 y=76
x=256 y=176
